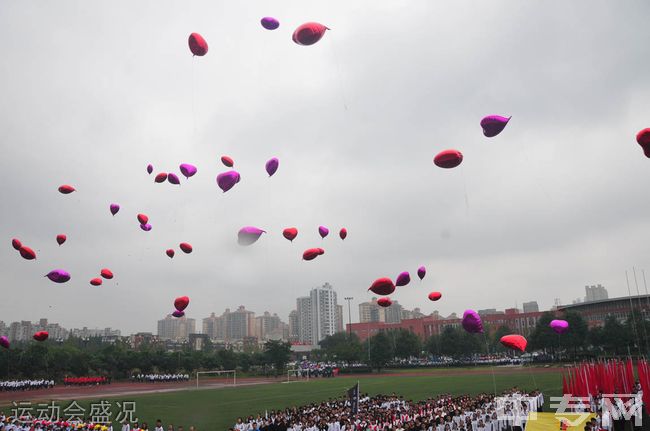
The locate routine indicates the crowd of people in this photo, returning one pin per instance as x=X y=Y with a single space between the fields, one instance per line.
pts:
x=316 y=369
x=10 y=423
x=156 y=378
x=25 y=385
x=86 y=381
x=383 y=413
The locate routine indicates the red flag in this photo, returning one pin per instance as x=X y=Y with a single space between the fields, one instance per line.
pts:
x=565 y=388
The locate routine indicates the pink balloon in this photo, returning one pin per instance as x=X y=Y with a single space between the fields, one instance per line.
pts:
x=227 y=180
x=272 y=166
x=249 y=235
x=187 y=170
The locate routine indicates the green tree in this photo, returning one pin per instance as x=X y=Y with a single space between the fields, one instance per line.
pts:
x=407 y=344
x=381 y=351
x=432 y=345
x=277 y=353
x=342 y=346
x=543 y=336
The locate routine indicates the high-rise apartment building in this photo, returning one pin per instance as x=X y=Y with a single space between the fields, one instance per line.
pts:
x=176 y=328
x=595 y=293
x=531 y=307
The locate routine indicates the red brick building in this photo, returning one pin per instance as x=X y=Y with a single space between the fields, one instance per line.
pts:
x=520 y=323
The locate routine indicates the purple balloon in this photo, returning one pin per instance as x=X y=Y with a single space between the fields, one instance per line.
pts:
x=323 y=231
x=149 y=168
x=58 y=275
x=559 y=326
x=187 y=170
x=272 y=166
x=114 y=208
x=270 y=23
x=403 y=279
x=422 y=271
x=493 y=125
x=173 y=178
x=472 y=322
x=248 y=235
x=227 y=180
x=145 y=227
x=4 y=341
x=178 y=313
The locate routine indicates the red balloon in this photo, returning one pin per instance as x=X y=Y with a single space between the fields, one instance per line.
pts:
x=384 y=302
x=66 y=189
x=448 y=159
x=170 y=252
x=514 y=341
x=382 y=286
x=161 y=177
x=106 y=273
x=143 y=219
x=227 y=161
x=309 y=33
x=290 y=233
x=434 y=296
x=643 y=139
x=198 y=45
x=96 y=281
x=27 y=253
x=343 y=233
x=41 y=335
x=16 y=244
x=312 y=253
x=186 y=247
x=181 y=303
x=60 y=238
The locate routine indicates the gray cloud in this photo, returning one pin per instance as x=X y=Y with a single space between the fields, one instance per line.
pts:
x=94 y=92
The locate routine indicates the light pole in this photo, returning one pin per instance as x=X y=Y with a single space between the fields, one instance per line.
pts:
x=349 y=298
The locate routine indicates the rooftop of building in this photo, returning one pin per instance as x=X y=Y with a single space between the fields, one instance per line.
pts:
x=603 y=301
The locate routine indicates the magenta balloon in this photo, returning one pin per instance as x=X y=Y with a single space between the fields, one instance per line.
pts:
x=270 y=23
x=422 y=271
x=403 y=279
x=187 y=170
x=248 y=235
x=272 y=166
x=114 y=208
x=149 y=168
x=493 y=125
x=472 y=322
x=559 y=326
x=173 y=178
x=227 y=180
x=58 y=275
x=4 y=341
x=323 y=231
x=178 y=313
x=145 y=227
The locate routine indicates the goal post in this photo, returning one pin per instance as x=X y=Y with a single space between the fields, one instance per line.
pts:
x=296 y=374
x=218 y=373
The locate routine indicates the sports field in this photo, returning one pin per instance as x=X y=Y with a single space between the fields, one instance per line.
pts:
x=217 y=409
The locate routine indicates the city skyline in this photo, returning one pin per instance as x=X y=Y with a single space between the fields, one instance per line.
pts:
x=257 y=322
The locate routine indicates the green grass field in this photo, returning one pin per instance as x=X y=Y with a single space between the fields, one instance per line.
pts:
x=217 y=409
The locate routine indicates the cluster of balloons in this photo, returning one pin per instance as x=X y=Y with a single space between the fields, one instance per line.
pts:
x=305 y=34
x=188 y=170
x=105 y=274
x=385 y=286
x=180 y=304
x=492 y=125
x=25 y=252
x=185 y=247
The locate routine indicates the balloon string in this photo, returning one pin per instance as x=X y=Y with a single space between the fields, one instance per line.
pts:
x=487 y=349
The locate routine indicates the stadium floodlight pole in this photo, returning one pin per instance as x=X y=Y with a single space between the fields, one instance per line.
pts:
x=349 y=298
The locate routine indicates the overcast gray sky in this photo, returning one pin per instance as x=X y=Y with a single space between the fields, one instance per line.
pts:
x=93 y=91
